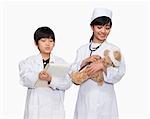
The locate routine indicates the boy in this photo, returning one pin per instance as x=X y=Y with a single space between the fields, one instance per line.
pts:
x=43 y=101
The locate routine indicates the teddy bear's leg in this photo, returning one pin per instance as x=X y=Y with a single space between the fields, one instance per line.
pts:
x=75 y=78
x=101 y=82
x=98 y=77
x=79 y=77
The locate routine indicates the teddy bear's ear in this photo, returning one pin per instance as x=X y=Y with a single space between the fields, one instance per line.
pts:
x=106 y=52
x=107 y=61
x=117 y=55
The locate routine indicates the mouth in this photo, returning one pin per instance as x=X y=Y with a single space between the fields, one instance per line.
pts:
x=102 y=35
x=47 y=48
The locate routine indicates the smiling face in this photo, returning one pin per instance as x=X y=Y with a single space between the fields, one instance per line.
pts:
x=100 y=32
x=45 y=46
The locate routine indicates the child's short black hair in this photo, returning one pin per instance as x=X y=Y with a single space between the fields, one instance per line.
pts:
x=43 y=32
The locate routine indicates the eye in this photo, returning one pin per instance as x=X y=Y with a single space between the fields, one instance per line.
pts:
x=51 y=40
x=43 y=40
x=99 y=27
x=107 y=28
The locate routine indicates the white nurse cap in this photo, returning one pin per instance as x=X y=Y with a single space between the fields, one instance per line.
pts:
x=99 y=12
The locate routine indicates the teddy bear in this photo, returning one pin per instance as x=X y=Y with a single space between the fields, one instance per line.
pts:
x=111 y=58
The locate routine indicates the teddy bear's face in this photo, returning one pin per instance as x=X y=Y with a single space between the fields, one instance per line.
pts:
x=107 y=59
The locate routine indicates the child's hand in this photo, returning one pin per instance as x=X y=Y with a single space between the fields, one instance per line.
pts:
x=95 y=67
x=43 y=75
x=89 y=59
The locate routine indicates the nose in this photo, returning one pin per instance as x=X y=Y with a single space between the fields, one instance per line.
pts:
x=103 y=30
x=47 y=42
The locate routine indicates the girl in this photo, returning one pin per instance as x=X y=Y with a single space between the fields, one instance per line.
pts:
x=45 y=94
x=95 y=101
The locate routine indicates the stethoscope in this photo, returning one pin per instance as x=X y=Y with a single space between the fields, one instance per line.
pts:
x=93 y=49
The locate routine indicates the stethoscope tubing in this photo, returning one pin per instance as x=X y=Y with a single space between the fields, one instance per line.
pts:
x=92 y=50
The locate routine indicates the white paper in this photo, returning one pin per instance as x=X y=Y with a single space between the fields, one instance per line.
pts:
x=58 y=70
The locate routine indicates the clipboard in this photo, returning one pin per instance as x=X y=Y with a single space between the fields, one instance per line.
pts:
x=57 y=70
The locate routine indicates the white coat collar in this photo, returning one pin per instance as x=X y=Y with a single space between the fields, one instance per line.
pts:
x=38 y=59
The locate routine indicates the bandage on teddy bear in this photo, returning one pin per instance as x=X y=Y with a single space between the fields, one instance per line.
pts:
x=111 y=58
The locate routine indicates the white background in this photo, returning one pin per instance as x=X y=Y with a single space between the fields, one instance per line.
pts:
x=70 y=22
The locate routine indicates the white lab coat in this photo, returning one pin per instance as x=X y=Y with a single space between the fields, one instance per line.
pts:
x=94 y=101
x=42 y=102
